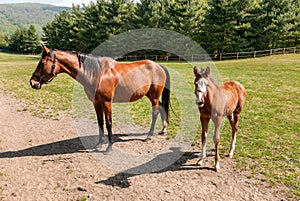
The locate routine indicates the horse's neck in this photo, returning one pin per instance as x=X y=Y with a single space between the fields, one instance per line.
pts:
x=70 y=64
x=216 y=98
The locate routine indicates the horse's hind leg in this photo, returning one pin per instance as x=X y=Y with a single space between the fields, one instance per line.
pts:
x=155 y=112
x=163 y=119
x=234 y=121
x=204 y=124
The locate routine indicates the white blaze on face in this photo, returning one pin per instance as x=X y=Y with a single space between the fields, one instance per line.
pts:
x=201 y=89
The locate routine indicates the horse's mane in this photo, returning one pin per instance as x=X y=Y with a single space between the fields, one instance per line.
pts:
x=212 y=80
x=91 y=65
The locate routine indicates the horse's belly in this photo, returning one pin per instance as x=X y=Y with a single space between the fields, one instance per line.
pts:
x=129 y=94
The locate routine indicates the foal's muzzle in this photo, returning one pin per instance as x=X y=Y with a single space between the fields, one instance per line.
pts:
x=199 y=98
x=200 y=103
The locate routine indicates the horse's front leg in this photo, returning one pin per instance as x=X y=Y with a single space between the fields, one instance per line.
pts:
x=217 y=122
x=99 y=113
x=108 y=121
x=204 y=125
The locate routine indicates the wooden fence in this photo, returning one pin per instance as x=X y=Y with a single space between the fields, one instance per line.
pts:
x=215 y=57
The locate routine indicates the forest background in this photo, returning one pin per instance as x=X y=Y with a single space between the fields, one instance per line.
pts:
x=217 y=25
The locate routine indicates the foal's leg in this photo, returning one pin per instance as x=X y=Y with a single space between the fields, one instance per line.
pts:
x=234 y=122
x=204 y=124
x=217 y=122
x=99 y=112
x=155 y=112
x=108 y=121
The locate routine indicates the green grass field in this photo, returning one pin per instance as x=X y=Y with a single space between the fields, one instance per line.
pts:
x=268 y=138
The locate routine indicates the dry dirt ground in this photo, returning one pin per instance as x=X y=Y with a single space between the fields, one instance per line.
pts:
x=42 y=159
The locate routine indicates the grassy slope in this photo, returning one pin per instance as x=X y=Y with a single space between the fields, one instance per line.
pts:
x=268 y=140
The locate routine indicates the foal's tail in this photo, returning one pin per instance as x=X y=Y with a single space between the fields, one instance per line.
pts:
x=166 y=93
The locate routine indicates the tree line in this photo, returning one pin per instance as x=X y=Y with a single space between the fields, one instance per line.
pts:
x=25 y=41
x=217 y=25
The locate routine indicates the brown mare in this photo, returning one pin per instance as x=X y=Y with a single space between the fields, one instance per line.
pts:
x=105 y=81
x=215 y=102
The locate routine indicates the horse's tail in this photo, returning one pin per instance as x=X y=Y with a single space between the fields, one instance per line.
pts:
x=165 y=100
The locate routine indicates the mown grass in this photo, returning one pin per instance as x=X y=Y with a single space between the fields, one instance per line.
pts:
x=268 y=138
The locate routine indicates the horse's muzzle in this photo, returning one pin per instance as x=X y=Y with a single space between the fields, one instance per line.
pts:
x=35 y=84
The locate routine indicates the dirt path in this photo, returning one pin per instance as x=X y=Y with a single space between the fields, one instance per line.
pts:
x=42 y=159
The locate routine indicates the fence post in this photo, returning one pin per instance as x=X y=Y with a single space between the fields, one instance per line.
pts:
x=254 y=55
x=220 y=56
x=237 y=55
x=192 y=58
x=295 y=50
x=283 y=50
x=270 y=52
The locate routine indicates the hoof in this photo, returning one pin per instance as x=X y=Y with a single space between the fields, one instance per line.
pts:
x=108 y=150
x=162 y=133
x=199 y=163
x=147 y=140
x=217 y=168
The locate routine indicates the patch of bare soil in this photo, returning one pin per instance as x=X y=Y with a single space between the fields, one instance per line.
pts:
x=42 y=159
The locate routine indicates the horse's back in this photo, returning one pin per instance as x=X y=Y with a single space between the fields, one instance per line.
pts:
x=136 y=79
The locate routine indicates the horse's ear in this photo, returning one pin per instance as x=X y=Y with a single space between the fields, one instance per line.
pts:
x=207 y=71
x=196 y=70
x=45 y=49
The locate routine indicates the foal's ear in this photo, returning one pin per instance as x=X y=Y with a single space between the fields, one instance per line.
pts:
x=207 y=71
x=196 y=70
x=45 y=49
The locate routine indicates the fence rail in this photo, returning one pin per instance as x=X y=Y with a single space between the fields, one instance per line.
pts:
x=216 y=57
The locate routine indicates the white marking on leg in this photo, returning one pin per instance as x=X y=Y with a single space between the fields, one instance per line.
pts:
x=203 y=152
x=217 y=167
x=232 y=147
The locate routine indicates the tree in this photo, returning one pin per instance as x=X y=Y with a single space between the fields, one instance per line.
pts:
x=86 y=28
x=58 y=33
x=24 y=41
x=185 y=16
x=3 y=40
x=31 y=41
x=152 y=14
x=275 y=22
x=225 y=27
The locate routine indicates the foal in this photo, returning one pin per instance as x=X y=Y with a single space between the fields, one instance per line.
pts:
x=215 y=102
